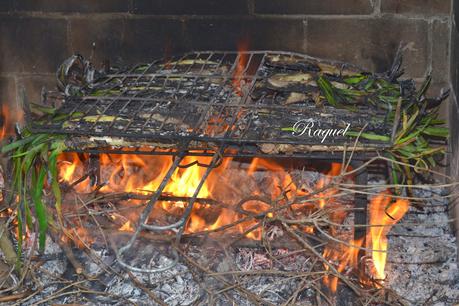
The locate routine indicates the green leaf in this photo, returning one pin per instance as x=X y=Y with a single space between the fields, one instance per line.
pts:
x=31 y=152
x=40 y=209
x=18 y=143
x=369 y=136
x=59 y=147
x=436 y=131
x=355 y=79
x=327 y=90
x=424 y=87
x=43 y=109
x=369 y=84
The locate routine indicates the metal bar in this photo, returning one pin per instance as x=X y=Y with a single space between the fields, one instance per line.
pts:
x=94 y=169
x=143 y=218
x=360 y=213
x=189 y=208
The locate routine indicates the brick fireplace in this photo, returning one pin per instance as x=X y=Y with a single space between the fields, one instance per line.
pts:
x=364 y=32
x=37 y=36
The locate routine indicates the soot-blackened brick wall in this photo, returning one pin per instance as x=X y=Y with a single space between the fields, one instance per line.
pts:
x=454 y=111
x=37 y=35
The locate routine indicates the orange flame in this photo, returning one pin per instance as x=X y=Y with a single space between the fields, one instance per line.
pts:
x=127 y=227
x=9 y=115
x=142 y=174
x=327 y=195
x=240 y=68
x=3 y=120
x=347 y=257
x=71 y=169
x=383 y=215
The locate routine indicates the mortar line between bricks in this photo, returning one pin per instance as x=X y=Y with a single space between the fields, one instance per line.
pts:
x=430 y=47
x=441 y=18
x=69 y=36
x=305 y=36
x=131 y=7
x=453 y=97
x=251 y=7
x=362 y=17
x=376 y=8
x=26 y=74
x=450 y=35
x=79 y=16
x=16 y=92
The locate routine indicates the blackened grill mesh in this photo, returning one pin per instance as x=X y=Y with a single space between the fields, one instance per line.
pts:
x=218 y=97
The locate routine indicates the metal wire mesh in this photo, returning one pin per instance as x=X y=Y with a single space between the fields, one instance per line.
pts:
x=199 y=96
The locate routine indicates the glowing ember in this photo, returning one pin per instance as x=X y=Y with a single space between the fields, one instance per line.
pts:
x=127 y=227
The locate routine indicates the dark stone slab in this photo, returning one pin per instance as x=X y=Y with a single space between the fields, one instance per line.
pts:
x=255 y=33
x=152 y=38
x=127 y=40
x=6 y=5
x=70 y=6
x=134 y=40
x=32 y=44
x=320 y=7
x=371 y=43
x=34 y=84
x=7 y=90
x=195 y=7
x=416 y=7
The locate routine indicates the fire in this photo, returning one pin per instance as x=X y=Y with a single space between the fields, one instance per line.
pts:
x=328 y=193
x=3 y=121
x=142 y=174
x=258 y=180
x=9 y=115
x=127 y=227
x=240 y=68
x=346 y=257
x=71 y=169
x=383 y=215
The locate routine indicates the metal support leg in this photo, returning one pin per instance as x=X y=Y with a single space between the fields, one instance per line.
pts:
x=94 y=169
x=179 y=225
x=360 y=215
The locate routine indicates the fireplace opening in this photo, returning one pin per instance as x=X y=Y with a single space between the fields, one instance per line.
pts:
x=243 y=200
x=220 y=165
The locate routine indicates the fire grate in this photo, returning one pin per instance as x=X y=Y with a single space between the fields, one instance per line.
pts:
x=211 y=97
x=209 y=104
